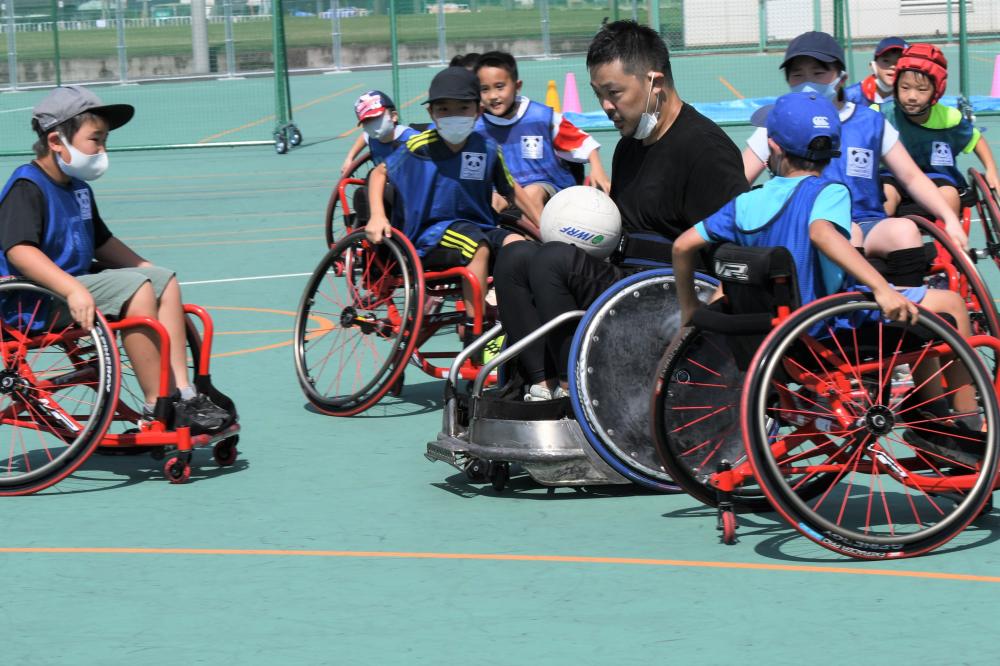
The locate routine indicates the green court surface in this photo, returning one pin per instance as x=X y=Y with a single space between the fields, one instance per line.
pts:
x=333 y=541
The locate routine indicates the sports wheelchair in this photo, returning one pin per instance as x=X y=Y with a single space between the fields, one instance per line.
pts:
x=597 y=436
x=367 y=311
x=65 y=392
x=823 y=414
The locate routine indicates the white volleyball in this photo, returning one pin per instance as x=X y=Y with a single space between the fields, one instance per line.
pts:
x=584 y=216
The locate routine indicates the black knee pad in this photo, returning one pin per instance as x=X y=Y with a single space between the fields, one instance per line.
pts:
x=907 y=268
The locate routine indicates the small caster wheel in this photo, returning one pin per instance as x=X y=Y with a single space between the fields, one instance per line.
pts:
x=475 y=470
x=224 y=453
x=177 y=471
x=295 y=137
x=499 y=476
x=280 y=145
x=728 y=528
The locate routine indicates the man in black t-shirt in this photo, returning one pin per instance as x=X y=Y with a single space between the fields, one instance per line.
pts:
x=672 y=168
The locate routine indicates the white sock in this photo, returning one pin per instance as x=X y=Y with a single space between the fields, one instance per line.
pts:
x=188 y=392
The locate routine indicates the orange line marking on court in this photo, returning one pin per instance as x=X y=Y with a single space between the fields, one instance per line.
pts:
x=502 y=557
x=323 y=321
x=733 y=90
x=347 y=133
x=260 y=121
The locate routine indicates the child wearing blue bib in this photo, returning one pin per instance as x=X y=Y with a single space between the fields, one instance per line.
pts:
x=444 y=179
x=814 y=62
x=382 y=134
x=537 y=142
x=51 y=232
x=810 y=215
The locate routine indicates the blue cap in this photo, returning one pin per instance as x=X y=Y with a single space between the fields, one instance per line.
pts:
x=819 y=45
x=795 y=119
x=890 y=43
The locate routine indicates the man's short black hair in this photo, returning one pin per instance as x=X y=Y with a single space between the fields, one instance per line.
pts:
x=467 y=60
x=639 y=48
x=499 y=59
x=67 y=129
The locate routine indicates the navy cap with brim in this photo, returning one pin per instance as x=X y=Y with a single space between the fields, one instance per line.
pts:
x=889 y=44
x=818 y=45
x=453 y=83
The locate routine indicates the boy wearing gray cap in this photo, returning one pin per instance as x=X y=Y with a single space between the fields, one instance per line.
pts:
x=51 y=232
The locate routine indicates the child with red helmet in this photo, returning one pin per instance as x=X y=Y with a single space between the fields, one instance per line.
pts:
x=934 y=134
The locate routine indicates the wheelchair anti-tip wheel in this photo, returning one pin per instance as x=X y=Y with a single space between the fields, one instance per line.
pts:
x=612 y=366
x=58 y=387
x=357 y=323
x=823 y=399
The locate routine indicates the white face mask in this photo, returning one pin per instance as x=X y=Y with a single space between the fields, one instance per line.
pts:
x=455 y=129
x=827 y=90
x=81 y=165
x=883 y=88
x=647 y=121
x=381 y=128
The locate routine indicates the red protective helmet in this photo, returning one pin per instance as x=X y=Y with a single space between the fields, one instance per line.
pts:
x=928 y=59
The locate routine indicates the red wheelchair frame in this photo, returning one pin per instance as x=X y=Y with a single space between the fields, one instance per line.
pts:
x=61 y=392
x=413 y=330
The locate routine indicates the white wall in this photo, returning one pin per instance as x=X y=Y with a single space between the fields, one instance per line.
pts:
x=720 y=22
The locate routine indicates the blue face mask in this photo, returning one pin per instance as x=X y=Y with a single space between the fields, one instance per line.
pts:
x=827 y=90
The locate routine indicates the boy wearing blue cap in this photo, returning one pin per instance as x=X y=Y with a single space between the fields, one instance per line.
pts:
x=381 y=134
x=810 y=215
x=877 y=87
x=807 y=213
x=444 y=180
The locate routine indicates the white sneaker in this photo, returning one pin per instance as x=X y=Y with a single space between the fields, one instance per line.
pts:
x=539 y=392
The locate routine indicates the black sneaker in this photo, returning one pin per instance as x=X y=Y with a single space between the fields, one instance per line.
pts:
x=951 y=442
x=201 y=414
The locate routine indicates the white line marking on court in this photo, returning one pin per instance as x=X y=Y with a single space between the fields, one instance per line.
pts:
x=244 y=279
x=23 y=108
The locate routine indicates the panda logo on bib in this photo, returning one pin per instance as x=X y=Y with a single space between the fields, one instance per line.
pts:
x=859 y=162
x=941 y=154
x=473 y=166
x=531 y=147
x=83 y=201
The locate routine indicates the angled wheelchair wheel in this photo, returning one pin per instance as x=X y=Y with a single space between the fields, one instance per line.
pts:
x=696 y=416
x=988 y=210
x=340 y=213
x=952 y=269
x=357 y=323
x=898 y=480
x=58 y=388
x=612 y=368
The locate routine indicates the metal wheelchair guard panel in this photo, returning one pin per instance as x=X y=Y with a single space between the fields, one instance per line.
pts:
x=550 y=447
x=613 y=362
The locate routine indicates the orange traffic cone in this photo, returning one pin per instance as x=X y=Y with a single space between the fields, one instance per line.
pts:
x=552 y=96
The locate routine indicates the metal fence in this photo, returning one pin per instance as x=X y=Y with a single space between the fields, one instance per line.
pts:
x=723 y=49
